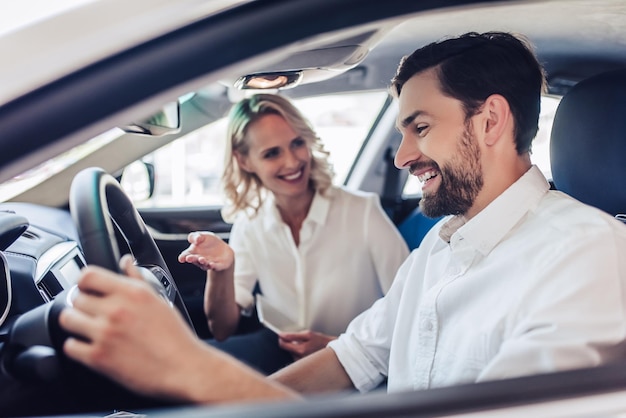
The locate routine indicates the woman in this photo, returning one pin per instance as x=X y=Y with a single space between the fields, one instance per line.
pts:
x=320 y=253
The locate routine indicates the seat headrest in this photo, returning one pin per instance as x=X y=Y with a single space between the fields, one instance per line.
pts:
x=588 y=142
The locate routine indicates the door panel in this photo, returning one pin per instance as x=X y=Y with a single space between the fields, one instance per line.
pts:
x=170 y=227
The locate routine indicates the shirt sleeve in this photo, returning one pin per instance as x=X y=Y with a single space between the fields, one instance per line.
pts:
x=245 y=270
x=387 y=248
x=573 y=319
x=364 y=349
x=366 y=369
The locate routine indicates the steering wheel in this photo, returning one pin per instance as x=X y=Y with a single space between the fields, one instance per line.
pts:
x=33 y=351
x=99 y=205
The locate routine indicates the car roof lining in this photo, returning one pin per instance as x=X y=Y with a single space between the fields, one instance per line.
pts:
x=580 y=48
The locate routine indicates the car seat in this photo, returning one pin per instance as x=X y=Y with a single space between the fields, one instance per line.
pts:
x=415 y=226
x=588 y=143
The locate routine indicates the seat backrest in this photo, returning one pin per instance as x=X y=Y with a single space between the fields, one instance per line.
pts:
x=415 y=226
x=588 y=143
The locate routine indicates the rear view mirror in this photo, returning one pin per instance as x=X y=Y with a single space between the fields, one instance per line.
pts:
x=165 y=121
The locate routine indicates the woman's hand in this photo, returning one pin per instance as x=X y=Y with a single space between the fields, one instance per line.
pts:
x=301 y=344
x=208 y=252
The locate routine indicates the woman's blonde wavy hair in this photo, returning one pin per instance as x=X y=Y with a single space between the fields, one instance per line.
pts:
x=244 y=191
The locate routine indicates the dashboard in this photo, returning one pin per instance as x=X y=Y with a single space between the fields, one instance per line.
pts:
x=58 y=269
x=40 y=257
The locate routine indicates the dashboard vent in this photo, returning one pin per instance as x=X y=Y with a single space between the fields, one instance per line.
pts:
x=50 y=286
x=30 y=235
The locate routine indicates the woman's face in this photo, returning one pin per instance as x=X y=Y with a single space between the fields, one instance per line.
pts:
x=278 y=156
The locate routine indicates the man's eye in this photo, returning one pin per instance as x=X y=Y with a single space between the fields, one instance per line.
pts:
x=420 y=130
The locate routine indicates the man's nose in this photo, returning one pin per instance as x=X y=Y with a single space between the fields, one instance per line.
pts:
x=407 y=153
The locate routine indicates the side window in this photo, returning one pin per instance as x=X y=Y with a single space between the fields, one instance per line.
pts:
x=540 y=149
x=188 y=170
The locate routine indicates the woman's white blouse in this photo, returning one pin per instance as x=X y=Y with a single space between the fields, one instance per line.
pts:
x=348 y=255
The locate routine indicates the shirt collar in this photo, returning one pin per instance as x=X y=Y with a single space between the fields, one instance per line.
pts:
x=485 y=230
x=317 y=213
x=451 y=226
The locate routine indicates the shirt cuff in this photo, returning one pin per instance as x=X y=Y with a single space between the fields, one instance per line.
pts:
x=361 y=371
x=244 y=298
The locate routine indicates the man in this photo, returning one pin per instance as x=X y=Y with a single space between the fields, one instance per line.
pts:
x=519 y=280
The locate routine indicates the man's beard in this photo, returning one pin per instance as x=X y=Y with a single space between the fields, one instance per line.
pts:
x=460 y=181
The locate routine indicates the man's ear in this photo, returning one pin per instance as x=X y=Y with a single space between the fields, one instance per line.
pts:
x=498 y=118
x=242 y=161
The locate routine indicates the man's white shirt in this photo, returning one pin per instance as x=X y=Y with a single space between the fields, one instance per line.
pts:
x=536 y=282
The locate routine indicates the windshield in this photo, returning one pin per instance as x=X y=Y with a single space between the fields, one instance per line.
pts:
x=25 y=12
x=36 y=175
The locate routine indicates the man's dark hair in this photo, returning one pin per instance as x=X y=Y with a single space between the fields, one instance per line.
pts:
x=474 y=66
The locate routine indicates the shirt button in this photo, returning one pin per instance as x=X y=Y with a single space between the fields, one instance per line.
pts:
x=427 y=325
